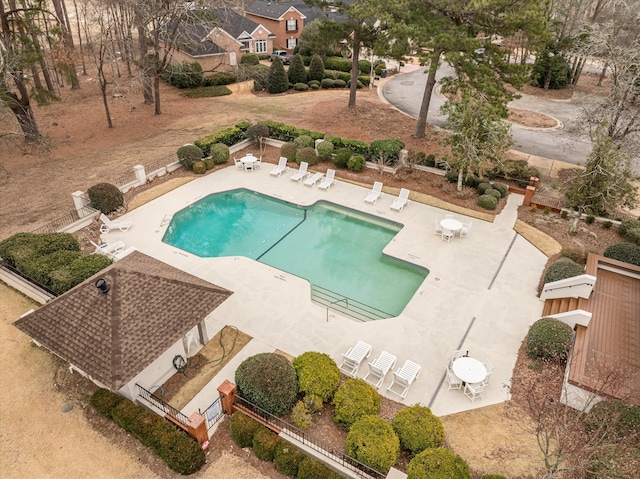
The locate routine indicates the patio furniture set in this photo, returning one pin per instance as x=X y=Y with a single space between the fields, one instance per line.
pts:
x=115 y=250
x=249 y=162
x=468 y=374
x=448 y=227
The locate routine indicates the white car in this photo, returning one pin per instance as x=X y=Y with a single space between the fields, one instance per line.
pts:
x=283 y=55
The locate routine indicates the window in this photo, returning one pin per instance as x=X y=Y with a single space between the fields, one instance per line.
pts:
x=292 y=25
x=291 y=43
x=261 y=46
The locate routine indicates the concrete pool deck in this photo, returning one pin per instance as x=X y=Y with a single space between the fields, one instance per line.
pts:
x=480 y=294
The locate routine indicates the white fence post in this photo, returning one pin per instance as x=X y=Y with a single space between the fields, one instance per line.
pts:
x=141 y=175
x=79 y=202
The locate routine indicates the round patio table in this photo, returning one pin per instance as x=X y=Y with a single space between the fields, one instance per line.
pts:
x=248 y=161
x=469 y=370
x=451 y=224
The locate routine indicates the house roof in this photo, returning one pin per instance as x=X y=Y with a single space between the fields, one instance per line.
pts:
x=273 y=10
x=112 y=337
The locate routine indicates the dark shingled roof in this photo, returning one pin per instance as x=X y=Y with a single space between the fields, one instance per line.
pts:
x=113 y=337
x=274 y=10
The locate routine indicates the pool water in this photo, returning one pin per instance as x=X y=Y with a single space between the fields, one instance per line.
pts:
x=334 y=248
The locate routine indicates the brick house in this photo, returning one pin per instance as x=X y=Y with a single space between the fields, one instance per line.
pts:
x=284 y=19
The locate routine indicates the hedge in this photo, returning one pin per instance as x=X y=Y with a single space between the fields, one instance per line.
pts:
x=356 y=146
x=317 y=374
x=287 y=458
x=283 y=132
x=228 y=136
x=242 y=429
x=625 y=252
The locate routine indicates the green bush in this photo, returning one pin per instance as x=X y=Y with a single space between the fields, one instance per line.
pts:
x=502 y=188
x=82 y=267
x=289 y=150
x=364 y=66
x=250 y=59
x=40 y=267
x=493 y=192
x=488 y=202
x=207 y=92
x=269 y=381
x=307 y=154
x=303 y=141
x=283 y=132
x=327 y=83
x=22 y=247
x=277 y=81
x=356 y=146
x=300 y=87
x=372 y=441
x=518 y=170
x=625 y=252
x=105 y=197
x=356 y=162
x=242 y=429
x=313 y=86
x=301 y=416
x=630 y=230
x=199 y=167
x=614 y=419
x=311 y=469
x=228 y=136
x=313 y=402
x=219 y=79
x=338 y=63
x=318 y=374
x=339 y=83
x=562 y=269
x=219 y=153
x=264 y=444
x=438 y=463
x=354 y=399
x=325 y=149
x=188 y=155
x=183 y=75
x=359 y=84
x=364 y=79
x=549 y=339
x=297 y=72
x=341 y=157
x=208 y=162
x=386 y=148
x=316 y=69
x=418 y=429
x=105 y=401
x=313 y=83
x=482 y=187
x=287 y=458
x=550 y=69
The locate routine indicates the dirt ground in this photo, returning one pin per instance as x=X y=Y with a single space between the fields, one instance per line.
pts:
x=37 y=388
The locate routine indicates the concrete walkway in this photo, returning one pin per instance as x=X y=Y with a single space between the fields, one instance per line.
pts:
x=480 y=294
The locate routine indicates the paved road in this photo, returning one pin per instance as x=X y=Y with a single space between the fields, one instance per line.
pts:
x=405 y=92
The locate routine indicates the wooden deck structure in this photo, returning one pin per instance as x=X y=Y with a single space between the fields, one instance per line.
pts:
x=612 y=339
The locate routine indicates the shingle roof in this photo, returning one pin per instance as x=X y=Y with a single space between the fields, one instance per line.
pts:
x=113 y=337
x=274 y=10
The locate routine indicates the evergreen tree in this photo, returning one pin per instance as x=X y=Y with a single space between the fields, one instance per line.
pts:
x=297 y=73
x=277 y=81
x=550 y=70
x=316 y=68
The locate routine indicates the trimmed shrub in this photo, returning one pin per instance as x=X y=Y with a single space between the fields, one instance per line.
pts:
x=316 y=69
x=105 y=401
x=386 y=148
x=21 y=247
x=277 y=81
x=288 y=150
x=208 y=162
x=313 y=402
x=341 y=157
x=364 y=79
x=219 y=79
x=338 y=63
x=562 y=269
x=482 y=187
x=303 y=141
x=318 y=375
x=250 y=59
x=625 y=252
x=615 y=419
x=438 y=463
x=354 y=399
x=314 y=86
x=199 y=167
x=269 y=381
x=313 y=83
x=307 y=154
x=297 y=72
x=372 y=441
x=228 y=136
x=364 y=66
x=356 y=162
x=301 y=416
x=82 y=267
x=488 y=202
x=356 y=146
x=219 y=153
x=188 y=155
x=359 y=84
x=325 y=149
x=502 y=188
x=264 y=444
x=339 y=83
x=280 y=131
x=105 y=197
x=300 y=87
x=40 y=267
x=183 y=75
x=493 y=192
x=327 y=83
x=418 y=429
x=287 y=458
x=549 y=339
x=630 y=230
x=242 y=429
x=311 y=469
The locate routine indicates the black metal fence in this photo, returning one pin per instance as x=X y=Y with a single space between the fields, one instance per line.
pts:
x=62 y=222
x=168 y=409
x=213 y=413
x=335 y=455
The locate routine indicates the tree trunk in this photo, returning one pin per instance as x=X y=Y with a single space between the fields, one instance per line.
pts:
x=603 y=74
x=460 y=177
x=354 y=69
x=144 y=60
x=67 y=41
x=426 y=97
x=156 y=93
x=84 y=65
x=21 y=108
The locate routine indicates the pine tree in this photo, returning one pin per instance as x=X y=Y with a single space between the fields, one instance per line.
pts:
x=297 y=73
x=277 y=81
x=316 y=68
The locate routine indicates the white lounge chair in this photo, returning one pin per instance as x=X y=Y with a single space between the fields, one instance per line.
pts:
x=328 y=180
x=401 y=201
x=313 y=179
x=106 y=249
x=108 y=225
x=301 y=173
x=404 y=377
x=122 y=254
x=375 y=193
x=353 y=357
x=281 y=168
x=379 y=367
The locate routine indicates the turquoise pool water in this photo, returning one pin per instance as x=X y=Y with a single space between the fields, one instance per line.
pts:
x=334 y=248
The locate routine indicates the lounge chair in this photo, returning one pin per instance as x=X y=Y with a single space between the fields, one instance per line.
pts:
x=375 y=193
x=107 y=225
x=379 y=367
x=404 y=377
x=301 y=173
x=313 y=179
x=122 y=254
x=107 y=249
x=401 y=200
x=353 y=357
x=328 y=180
x=281 y=168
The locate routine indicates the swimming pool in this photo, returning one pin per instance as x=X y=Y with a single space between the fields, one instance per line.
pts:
x=338 y=250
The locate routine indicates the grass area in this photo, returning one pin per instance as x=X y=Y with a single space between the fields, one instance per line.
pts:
x=207 y=92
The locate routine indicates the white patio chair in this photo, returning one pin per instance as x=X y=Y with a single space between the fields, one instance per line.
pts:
x=453 y=381
x=379 y=367
x=488 y=365
x=313 y=179
x=328 y=180
x=457 y=353
x=108 y=248
x=465 y=231
x=448 y=216
x=108 y=225
x=281 y=168
x=402 y=200
x=473 y=391
x=404 y=377
x=437 y=228
x=238 y=163
x=258 y=163
x=301 y=173
x=375 y=193
x=447 y=235
x=353 y=357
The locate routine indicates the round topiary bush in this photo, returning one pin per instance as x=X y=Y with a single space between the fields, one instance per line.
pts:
x=502 y=188
x=488 y=202
x=562 y=269
x=242 y=429
x=493 y=192
x=300 y=87
x=339 y=83
x=287 y=458
x=341 y=157
x=208 y=163
x=549 y=339
x=188 y=155
x=289 y=150
x=313 y=86
x=359 y=84
x=312 y=83
x=303 y=141
x=318 y=374
x=438 y=463
x=418 y=429
x=614 y=419
x=354 y=399
x=307 y=154
x=264 y=443
x=220 y=153
x=199 y=167
x=325 y=149
x=356 y=162
x=625 y=252
x=327 y=83
x=484 y=186
x=250 y=59
x=372 y=441
x=269 y=381
x=105 y=197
